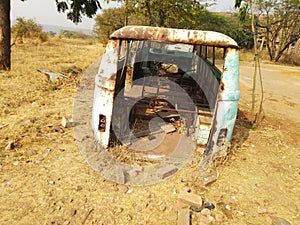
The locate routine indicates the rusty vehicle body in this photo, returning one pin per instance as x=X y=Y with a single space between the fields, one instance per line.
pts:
x=202 y=66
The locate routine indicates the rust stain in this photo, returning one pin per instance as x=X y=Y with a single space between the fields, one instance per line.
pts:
x=208 y=38
x=222 y=86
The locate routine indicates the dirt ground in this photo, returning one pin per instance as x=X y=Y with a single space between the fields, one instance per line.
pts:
x=44 y=179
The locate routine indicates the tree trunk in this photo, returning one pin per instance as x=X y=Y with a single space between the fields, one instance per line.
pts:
x=4 y=34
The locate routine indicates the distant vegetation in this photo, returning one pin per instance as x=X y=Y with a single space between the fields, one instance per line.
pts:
x=277 y=23
x=198 y=18
x=75 y=34
x=27 y=29
x=30 y=31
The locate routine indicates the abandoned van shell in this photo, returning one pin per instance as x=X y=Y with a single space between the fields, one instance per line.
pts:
x=186 y=79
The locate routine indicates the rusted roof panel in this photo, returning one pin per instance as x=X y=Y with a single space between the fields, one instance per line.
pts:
x=209 y=38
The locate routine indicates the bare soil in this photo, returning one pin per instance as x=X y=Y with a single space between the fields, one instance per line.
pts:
x=44 y=179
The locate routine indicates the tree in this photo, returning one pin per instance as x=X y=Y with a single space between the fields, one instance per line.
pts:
x=75 y=10
x=172 y=13
x=169 y=13
x=176 y=14
x=110 y=20
x=241 y=32
x=4 y=34
x=27 y=29
x=243 y=5
x=278 y=21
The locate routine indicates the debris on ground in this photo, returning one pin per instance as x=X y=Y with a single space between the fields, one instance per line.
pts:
x=190 y=198
x=209 y=179
x=204 y=207
x=166 y=171
x=279 y=221
x=13 y=144
x=183 y=216
x=53 y=76
x=58 y=129
x=66 y=122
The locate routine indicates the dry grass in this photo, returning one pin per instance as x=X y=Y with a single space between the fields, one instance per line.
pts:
x=248 y=55
x=44 y=180
x=29 y=101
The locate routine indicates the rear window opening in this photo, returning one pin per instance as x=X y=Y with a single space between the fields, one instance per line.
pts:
x=158 y=77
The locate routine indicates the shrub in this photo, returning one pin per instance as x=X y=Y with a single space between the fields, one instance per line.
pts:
x=27 y=29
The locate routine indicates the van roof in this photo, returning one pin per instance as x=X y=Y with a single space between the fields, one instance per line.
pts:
x=209 y=38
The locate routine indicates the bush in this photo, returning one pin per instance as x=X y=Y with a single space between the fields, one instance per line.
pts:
x=75 y=34
x=27 y=29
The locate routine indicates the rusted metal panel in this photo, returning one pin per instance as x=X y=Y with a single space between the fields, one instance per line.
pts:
x=104 y=93
x=226 y=109
x=209 y=38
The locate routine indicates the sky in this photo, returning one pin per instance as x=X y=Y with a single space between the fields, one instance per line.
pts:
x=45 y=12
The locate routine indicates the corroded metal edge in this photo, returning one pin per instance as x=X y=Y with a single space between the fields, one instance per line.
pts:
x=209 y=38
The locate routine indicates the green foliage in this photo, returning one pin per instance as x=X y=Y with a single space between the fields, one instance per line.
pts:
x=171 y=13
x=27 y=29
x=110 y=20
x=52 y=33
x=243 y=6
x=77 y=8
x=241 y=32
x=75 y=34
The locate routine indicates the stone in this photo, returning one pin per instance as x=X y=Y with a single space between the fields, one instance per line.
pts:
x=122 y=188
x=279 y=221
x=210 y=219
x=179 y=205
x=219 y=218
x=66 y=123
x=58 y=129
x=78 y=188
x=269 y=220
x=162 y=207
x=31 y=152
x=137 y=207
x=118 y=210
x=183 y=217
x=203 y=220
x=51 y=182
x=129 y=217
x=262 y=210
x=121 y=179
x=73 y=212
x=209 y=179
x=10 y=145
x=190 y=198
x=166 y=171
x=67 y=222
x=206 y=212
